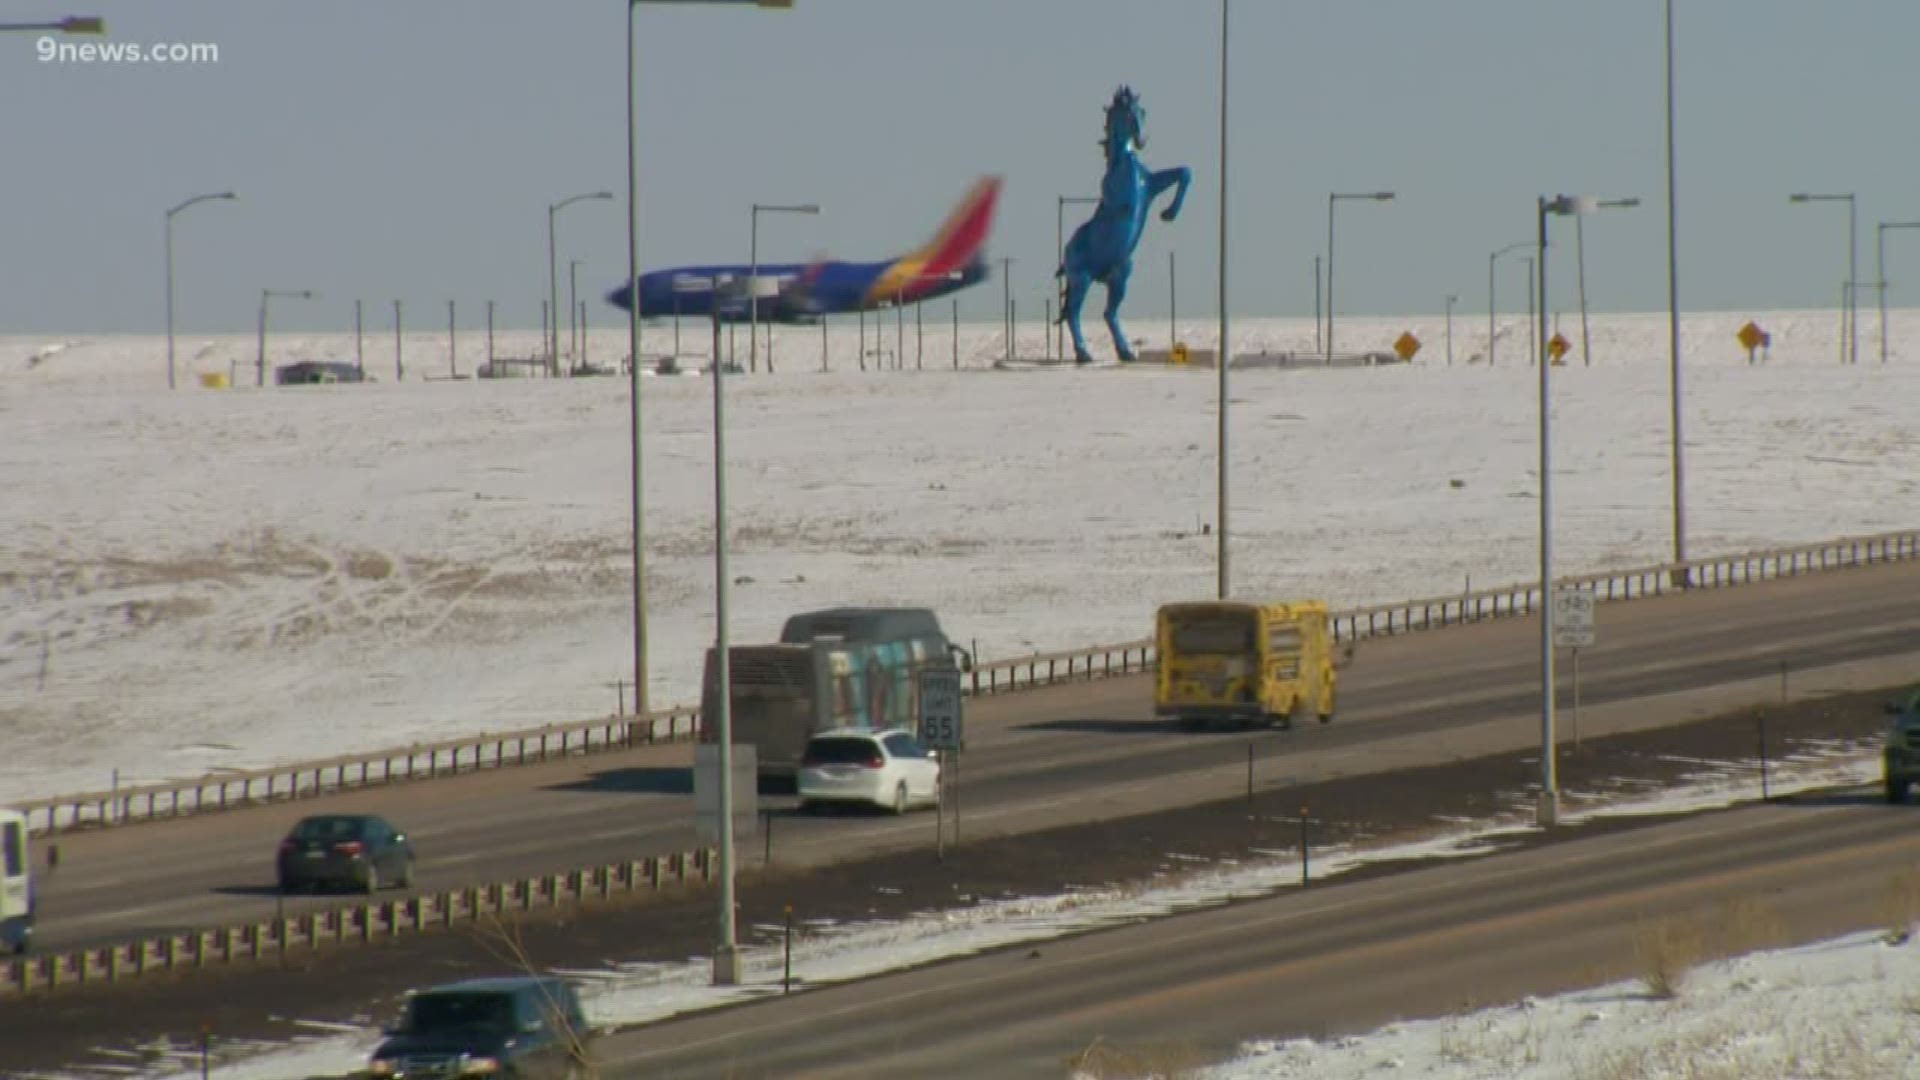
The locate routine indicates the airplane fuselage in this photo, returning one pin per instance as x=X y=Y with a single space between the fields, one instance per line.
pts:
x=791 y=292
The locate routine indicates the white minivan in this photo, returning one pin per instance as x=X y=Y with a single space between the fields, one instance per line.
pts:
x=16 y=884
x=887 y=769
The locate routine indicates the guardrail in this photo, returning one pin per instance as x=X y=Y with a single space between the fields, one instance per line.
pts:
x=359 y=924
x=308 y=779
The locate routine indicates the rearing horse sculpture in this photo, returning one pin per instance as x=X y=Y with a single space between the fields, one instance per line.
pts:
x=1102 y=247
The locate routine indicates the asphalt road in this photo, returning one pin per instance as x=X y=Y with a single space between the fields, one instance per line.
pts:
x=1327 y=961
x=1042 y=758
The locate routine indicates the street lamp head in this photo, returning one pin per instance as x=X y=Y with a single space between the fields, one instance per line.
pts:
x=1383 y=196
x=83 y=24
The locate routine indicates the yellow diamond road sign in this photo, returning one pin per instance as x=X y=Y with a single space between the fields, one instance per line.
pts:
x=1407 y=345
x=1557 y=346
x=1751 y=337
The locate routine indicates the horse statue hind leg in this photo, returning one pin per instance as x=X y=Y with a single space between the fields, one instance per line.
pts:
x=1075 y=281
x=1116 y=295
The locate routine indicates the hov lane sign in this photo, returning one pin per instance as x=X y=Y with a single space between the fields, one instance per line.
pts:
x=940 y=710
x=1572 y=617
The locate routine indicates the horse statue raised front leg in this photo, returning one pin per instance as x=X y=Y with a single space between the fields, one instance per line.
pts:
x=1101 y=249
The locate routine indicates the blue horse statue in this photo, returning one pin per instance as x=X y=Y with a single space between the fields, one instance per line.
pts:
x=1102 y=247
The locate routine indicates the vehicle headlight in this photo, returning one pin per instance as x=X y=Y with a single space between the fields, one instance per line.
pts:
x=380 y=1067
x=481 y=1066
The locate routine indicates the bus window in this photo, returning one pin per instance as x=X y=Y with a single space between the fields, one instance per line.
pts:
x=1221 y=634
x=13 y=840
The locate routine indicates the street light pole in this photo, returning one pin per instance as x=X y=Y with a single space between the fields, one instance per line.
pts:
x=1224 y=355
x=753 y=276
x=1534 y=335
x=1563 y=205
x=1450 y=301
x=1006 y=301
x=1678 y=449
x=1332 y=198
x=1847 y=327
x=1880 y=274
x=553 y=277
x=574 y=324
x=1549 y=808
x=169 y=251
x=726 y=960
x=1173 y=304
x=260 y=361
x=1580 y=254
x=1491 y=296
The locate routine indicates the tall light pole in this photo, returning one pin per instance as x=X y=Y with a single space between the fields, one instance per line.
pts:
x=1580 y=254
x=1880 y=273
x=1333 y=198
x=1534 y=337
x=1492 y=306
x=553 y=276
x=1319 y=319
x=726 y=957
x=1061 y=202
x=1224 y=357
x=574 y=324
x=1173 y=304
x=1006 y=300
x=1562 y=205
x=1677 y=451
x=260 y=361
x=1849 y=314
x=169 y=247
x=753 y=274
x=1451 y=298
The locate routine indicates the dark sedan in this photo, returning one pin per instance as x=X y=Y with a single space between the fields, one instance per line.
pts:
x=358 y=851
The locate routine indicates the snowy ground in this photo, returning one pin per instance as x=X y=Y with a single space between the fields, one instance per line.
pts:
x=218 y=579
x=1853 y=994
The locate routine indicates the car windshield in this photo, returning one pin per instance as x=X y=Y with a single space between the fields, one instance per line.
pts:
x=329 y=829
x=840 y=751
x=447 y=1012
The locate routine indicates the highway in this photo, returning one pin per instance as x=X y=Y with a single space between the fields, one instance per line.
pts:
x=1041 y=758
x=1329 y=961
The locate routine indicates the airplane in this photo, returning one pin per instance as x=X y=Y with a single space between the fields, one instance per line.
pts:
x=804 y=292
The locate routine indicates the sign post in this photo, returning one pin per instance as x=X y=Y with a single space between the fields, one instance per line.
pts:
x=943 y=730
x=1573 y=629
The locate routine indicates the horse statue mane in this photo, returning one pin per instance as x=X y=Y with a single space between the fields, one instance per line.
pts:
x=1101 y=248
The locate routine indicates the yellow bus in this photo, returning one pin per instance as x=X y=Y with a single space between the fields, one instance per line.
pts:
x=1244 y=663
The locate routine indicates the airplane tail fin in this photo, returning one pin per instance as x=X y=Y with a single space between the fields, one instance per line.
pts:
x=964 y=233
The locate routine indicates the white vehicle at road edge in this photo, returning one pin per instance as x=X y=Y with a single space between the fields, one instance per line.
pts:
x=887 y=769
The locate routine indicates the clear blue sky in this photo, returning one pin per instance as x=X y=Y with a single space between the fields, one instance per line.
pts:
x=409 y=149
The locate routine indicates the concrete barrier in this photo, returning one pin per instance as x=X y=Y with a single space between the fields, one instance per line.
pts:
x=350 y=925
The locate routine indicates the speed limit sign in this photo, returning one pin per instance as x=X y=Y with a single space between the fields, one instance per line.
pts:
x=940 y=717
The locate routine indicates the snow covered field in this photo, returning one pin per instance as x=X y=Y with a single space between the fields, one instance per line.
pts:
x=1843 y=1003
x=216 y=579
